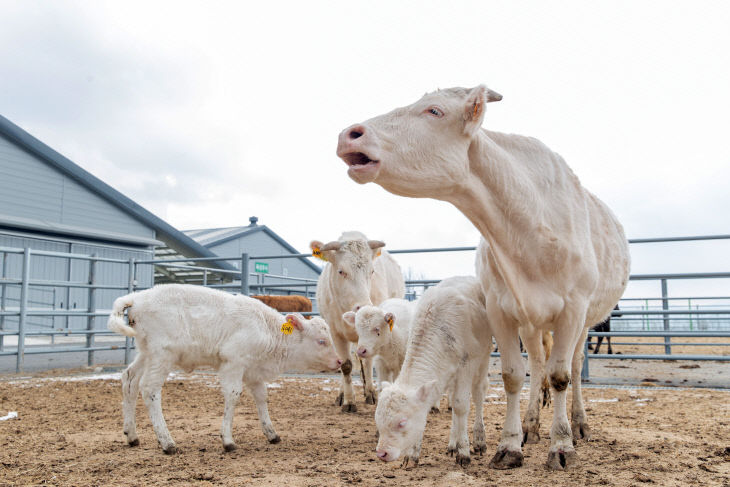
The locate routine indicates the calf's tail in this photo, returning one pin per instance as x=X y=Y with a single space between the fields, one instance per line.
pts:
x=116 y=321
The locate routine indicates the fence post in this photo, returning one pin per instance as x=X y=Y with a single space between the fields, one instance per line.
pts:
x=130 y=289
x=244 y=273
x=585 y=371
x=23 y=310
x=689 y=307
x=665 y=305
x=2 y=298
x=91 y=320
x=205 y=277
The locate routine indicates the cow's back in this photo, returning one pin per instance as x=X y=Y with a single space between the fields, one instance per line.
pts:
x=388 y=279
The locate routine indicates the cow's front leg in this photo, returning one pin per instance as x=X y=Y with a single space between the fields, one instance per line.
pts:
x=346 y=398
x=366 y=371
x=459 y=437
x=231 y=387
x=531 y=423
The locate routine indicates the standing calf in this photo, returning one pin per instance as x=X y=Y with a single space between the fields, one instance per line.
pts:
x=449 y=346
x=189 y=326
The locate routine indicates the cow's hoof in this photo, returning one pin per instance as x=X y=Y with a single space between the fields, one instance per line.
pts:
x=463 y=460
x=170 y=450
x=229 y=446
x=349 y=408
x=435 y=410
x=134 y=442
x=275 y=440
x=505 y=459
x=561 y=459
x=581 y=431
x=480 y=448
x=340 y=398
x=370 y=398
x=451 y=450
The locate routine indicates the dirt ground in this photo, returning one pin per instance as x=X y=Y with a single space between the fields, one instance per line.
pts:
x=69 y=432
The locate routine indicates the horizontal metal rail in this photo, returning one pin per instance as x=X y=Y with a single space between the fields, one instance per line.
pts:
x=35 y=351
x=719 y=358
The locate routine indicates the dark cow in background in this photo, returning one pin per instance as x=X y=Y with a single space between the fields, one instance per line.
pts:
x=603 y=327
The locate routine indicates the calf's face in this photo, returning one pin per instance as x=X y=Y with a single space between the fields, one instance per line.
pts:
x=420 y=150
x=309 y=346
x=373 y=326
x=401 y=418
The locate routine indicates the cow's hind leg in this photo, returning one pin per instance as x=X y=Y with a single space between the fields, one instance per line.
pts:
x=578 y=422
x=531 y=423
x=130 y=391
x=258 y=391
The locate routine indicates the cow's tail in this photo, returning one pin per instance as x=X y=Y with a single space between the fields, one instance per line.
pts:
x=116 y=322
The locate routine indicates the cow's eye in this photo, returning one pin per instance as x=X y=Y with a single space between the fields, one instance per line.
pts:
x=377 y=330
x=322 y=342
x=436 y=112
x=342 y=273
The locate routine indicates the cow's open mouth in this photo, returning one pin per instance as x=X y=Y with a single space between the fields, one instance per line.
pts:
x=357 y=159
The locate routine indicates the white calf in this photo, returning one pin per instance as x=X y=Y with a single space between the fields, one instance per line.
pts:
x=182 y=326
x=449 y=345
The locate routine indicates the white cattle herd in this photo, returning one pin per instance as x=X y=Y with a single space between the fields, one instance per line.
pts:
x=553 y=259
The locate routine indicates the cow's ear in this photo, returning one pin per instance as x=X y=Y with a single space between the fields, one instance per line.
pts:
x=319 y=252
x=376 y=246
x=349 y=318
x=475 y=107
x=297 y=321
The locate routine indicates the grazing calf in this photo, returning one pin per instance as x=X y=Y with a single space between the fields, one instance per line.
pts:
x=603 y=327
x=449 y=346
x=554 y=256
x=183 y=326
x=359 y=272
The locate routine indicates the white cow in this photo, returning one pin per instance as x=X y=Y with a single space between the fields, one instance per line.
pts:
x=382 y=334
x=358 y=273
x=555 y=257
x=183 y=326
x=449 y=348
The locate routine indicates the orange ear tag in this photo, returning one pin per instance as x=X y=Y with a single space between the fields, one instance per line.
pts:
x=476 y=109
x=287 y=328
x=378 y=254
x=317 y=252
x=390 y=323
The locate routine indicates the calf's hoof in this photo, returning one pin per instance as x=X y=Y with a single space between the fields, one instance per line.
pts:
x=505 y=459
x=370 y=398
x=480 y=448
x=581 y=431
x=561 y=459
x=349 y=408
x=229 y=446
x=276 y=439
x=463 y=460
x=435 y=410
x=340 y=398
x=409 y=461
x=530 y=437
x=134 y=442
x=170 y=450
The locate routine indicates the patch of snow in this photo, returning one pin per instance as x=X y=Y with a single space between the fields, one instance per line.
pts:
x=274 y=385
x=613 y=399
x=11 y=415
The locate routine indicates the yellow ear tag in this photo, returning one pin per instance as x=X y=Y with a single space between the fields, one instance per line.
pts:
x=287 y=328
x=390 y=323
x=378 y=254
x=476 y=109
x=317 y=252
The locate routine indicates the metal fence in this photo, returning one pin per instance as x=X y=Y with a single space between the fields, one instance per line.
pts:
x=637 y=318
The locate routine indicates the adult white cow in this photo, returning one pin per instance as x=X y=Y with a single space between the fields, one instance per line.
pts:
x=359 y=272
x=554 y=258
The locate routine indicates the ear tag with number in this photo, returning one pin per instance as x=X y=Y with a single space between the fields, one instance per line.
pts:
x=390 y=323
x=476 y=110
x=317 y=252
x=288 y=327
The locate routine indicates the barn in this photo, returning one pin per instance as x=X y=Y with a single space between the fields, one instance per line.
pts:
x=49 y=203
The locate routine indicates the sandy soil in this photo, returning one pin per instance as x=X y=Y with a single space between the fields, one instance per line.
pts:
x=69 y=432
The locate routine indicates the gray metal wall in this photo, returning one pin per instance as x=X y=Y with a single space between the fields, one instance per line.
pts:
x=30 y=188
x=53 y=268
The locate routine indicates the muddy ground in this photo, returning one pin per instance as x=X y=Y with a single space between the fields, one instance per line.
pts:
x=69 y=432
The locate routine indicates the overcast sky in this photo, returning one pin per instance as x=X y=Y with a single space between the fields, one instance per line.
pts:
x=208 y=114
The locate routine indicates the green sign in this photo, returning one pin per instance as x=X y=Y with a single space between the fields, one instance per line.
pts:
x=261 y=267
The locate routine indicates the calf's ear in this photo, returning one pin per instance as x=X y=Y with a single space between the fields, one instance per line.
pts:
x=426 y=392
x=474 y=108
x=349 y=318
x=297 y=320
